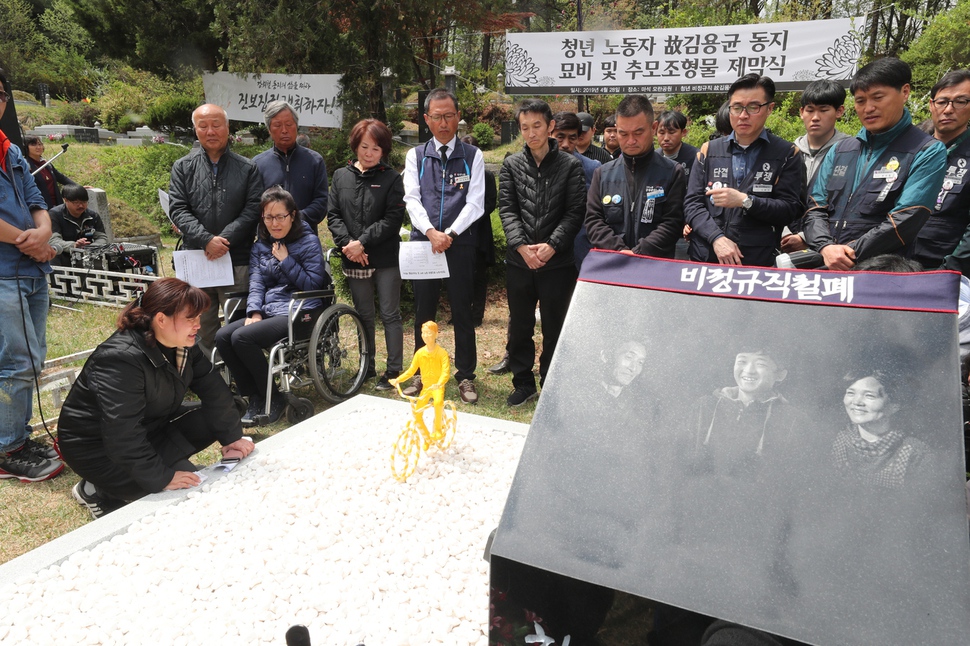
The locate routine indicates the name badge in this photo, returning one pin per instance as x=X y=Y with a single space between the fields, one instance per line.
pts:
x=654 y=193
x=952 y=181
x=762 y=188
x=884 y=192
x=885 y=174
x=461 y=179
x=648 y=208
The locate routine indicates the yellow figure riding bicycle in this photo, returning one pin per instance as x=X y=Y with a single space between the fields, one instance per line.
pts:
x=435 y=368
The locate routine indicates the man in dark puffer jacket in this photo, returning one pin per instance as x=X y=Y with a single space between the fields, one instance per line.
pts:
x=215 y=197
x=542 y=195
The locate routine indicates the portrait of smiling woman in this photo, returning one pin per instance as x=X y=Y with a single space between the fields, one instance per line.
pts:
x=872 y=448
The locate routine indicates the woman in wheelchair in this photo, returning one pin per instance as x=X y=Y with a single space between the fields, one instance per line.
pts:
x=124 y=427
x=364 y=215
x=286 y=258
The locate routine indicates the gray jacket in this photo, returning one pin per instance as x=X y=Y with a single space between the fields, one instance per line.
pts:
x=204 y=204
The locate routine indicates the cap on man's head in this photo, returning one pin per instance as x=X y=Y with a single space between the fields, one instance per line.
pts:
x=586 y=121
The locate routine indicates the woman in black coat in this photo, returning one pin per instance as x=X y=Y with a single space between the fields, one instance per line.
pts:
x=123 y=427
x=364 y=215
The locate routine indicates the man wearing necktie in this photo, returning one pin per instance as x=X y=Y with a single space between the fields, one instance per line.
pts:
x=444 y=190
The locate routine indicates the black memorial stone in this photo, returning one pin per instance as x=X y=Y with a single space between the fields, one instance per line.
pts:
x=701 y=442
x=86 y=135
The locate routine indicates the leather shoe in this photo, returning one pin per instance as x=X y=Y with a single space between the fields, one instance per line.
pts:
x=414 y=388
x=501 y=367
x=467 y=392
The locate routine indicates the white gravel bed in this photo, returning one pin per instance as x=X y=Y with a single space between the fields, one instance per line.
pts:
x=316 y=533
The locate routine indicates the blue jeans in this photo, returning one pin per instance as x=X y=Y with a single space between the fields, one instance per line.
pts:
x=23 y=339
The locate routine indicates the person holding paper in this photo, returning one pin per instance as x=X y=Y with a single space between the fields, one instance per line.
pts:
x=365 y=215
x=214 y=202
x=124 y=427
x=444 y=190
x=286 y=258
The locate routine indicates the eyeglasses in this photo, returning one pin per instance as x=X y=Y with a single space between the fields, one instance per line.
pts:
x=958 y=103
x=3 y=96
x=438 y=117
x=276 y=218
x=751 y=108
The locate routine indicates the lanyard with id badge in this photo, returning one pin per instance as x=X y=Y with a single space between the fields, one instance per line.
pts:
x=954 y=177
x=890 y=175
x=653 y=193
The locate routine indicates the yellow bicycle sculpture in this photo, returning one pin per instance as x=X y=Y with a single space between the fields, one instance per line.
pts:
x=416 y=437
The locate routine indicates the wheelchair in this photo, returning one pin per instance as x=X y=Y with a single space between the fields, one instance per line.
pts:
x=326 y=347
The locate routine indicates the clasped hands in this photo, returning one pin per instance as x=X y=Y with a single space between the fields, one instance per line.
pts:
x=536 y=255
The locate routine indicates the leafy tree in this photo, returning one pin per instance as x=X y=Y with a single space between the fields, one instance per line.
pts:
x=162 y=37
x=944 y=45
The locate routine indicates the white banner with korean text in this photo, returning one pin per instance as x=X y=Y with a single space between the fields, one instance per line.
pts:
x=244 y=96
x=688 y=60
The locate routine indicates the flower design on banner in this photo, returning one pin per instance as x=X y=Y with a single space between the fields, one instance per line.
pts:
x=839 y=61
x=519 y=68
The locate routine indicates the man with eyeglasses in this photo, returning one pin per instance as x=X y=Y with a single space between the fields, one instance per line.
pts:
x=944 y=241
x=25 y=230
x=744 y=188
x=74 y=225
x=444 y=190
x=875 y=191
x=214 y=201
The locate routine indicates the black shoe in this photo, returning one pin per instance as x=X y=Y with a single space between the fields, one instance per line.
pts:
x=521 y=395
x=98 y=504
x=256 y=406
x=501 y=367
x=276 y=409
x=43 y=450
x=414 y=388
x=27 y=466
x=384 y=383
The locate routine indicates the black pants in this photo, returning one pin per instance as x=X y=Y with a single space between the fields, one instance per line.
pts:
x=241 y=347
x=184 y=436
x=460 y=285
x=551 y=289
x=480 y=293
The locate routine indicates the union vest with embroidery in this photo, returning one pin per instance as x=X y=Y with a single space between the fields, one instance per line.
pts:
x=635 y=215
x=761 y=181
x=443 y=195
x=854 y=213
x=951 y=216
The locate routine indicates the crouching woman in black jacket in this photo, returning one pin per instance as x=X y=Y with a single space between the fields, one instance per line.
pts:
x=124 y=428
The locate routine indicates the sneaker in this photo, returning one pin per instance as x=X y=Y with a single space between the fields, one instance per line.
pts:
x=43 y=450
x=98 y=504
x=27 y=466
x=414 y=388
x=521 y=395
x=384 y=383
x=256 y=406
x=276 y=409
x=501 y=367
x=467 y=392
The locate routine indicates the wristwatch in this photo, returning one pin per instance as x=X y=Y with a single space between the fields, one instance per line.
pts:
x=747 y=203
x=452 y=233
